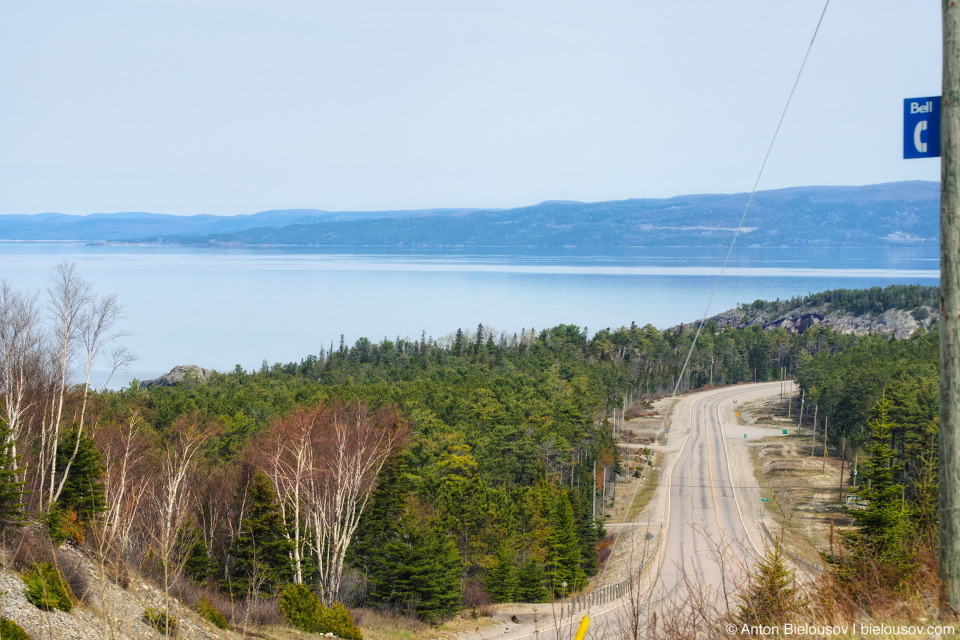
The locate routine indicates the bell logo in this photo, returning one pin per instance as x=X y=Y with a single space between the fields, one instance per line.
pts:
x=921 y=127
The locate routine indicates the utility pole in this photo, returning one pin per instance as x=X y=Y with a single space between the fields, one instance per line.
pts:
x=856 y=454
x=950 y=308
x=813 y=436
x=803 y=398
x=843 y=457
x=593 y=513
x=826 y=426
x=789 y=403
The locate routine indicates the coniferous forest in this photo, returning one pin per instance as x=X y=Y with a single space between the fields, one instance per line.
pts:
x=405 y=474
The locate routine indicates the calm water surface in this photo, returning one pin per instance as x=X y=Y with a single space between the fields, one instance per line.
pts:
x=219 y=308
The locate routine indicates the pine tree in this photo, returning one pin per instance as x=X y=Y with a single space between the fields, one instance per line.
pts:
x=83 y=489
x=587 y=533
x=199 y=565
x=884 y=544
x=423 y=571
x=260 y=552
x=380 y=522
x=530 y=578
x=11 y=490
x=501 y=582
x=563 y=548
x=770 y=594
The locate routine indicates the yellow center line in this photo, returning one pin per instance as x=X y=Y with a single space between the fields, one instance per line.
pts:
x=713 y=491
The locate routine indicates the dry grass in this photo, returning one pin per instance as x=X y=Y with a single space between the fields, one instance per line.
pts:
x=651 y=478
x=804 y=506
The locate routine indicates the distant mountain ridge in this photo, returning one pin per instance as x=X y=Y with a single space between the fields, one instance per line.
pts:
x=890 y=214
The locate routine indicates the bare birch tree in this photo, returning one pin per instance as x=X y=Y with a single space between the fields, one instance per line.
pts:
x=127 y=476
x=289 y=458
x=68 y=297
x=173 y=497
x=20 y=343
x=351 y=447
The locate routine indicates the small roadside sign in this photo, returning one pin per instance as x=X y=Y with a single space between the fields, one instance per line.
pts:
x=921 y=127
x=744 y=436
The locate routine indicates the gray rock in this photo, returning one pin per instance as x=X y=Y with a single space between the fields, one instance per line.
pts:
x=177 y=375
x=898 y=323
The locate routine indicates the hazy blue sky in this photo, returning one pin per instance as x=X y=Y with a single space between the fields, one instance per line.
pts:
x=235 y=107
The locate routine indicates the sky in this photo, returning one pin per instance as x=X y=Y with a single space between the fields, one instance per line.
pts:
x=190 y=107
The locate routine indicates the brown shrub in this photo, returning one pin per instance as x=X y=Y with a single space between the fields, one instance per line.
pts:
x=230 y=609
x=475 y=598
x=28 y=545
x=261 y=611
x=77 y=574
x=186 y=591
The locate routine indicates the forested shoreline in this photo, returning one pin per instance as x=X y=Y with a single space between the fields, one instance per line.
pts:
x=420 y=476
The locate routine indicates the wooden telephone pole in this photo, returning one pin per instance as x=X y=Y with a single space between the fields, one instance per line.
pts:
x=950 y=307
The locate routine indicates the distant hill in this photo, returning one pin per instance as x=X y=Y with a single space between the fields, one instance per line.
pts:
x=899 y=213
x=135 y=226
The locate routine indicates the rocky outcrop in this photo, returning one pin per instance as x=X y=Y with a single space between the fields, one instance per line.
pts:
x=898 y=323
x=177 y=375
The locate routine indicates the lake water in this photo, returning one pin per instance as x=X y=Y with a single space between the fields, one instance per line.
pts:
x=219 y=308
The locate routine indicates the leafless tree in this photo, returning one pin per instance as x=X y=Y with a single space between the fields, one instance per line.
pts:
x=289 y=457
x=68 y=297
x=351 y=448
x=128 y=472
x=20 y=343
x=173 y=496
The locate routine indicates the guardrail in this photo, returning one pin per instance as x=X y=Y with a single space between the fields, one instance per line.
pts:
x=806 y=564
x=605 y=595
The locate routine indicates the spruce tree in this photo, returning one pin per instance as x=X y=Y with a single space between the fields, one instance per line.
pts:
x=587 y=533
x=501 y=582
x=423 y=571
x=11 y=490
x=199 y=565
x=260 y=552
x=379 y=523
x=563 y=552
x=83 y=489
x=771 y=593
x=884 y=544
x=530 y=578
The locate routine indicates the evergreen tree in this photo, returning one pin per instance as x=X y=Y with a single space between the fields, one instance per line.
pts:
x=423 y=571
x=379 y=523
x=199 y=565
x=770 y=594
x=11 y=490
x=530 y=578
x=501 y=582
x=563 y=553
x=884 y=544
x=83 y=489
x=588 y=534
x=260 y=553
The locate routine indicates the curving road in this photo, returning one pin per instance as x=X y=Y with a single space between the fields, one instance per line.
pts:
x=707 y=543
